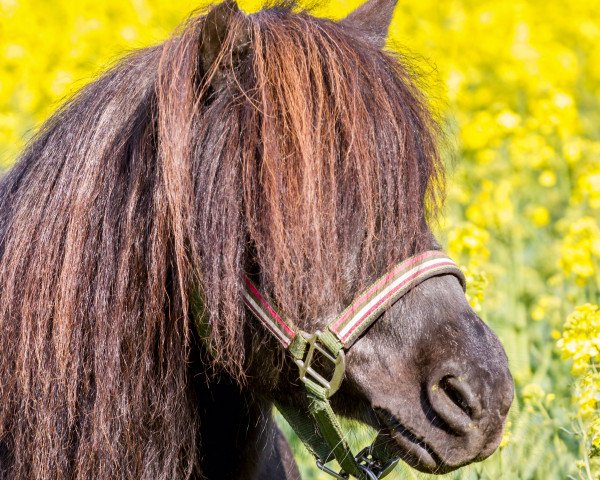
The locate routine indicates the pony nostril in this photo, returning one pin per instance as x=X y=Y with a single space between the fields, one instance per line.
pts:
x=461 y=394
x=455 y=403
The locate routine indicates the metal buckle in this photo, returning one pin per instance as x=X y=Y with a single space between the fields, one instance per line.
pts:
x=372 y=467
x=309 y=374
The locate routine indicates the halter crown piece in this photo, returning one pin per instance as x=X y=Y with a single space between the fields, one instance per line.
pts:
x=315 y=423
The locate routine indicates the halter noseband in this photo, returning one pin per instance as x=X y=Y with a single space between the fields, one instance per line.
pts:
x=315 y=423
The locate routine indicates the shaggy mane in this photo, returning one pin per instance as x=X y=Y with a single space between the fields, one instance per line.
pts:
x=303 y=155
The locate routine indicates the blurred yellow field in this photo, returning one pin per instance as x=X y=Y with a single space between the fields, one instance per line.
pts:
x=517 y=89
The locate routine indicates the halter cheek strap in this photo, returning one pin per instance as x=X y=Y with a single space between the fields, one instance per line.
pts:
x=315 y=423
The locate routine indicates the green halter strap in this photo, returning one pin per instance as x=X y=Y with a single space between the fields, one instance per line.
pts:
x=315 y=423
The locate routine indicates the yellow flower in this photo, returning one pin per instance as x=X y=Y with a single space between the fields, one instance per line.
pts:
x=547 y=178
x=540 y=216
x=532 y=393
x=493 y=207
x=469 y=242
x=479 y=132
x=580 y=249
x=509 y=120
x=506 y=435
x=580 y=342
x=573 y=150
x=563 y=100
x=595 y=432
x=545 y=305
x=588 y=185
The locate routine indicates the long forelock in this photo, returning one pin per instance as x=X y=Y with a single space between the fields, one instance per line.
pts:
x=347 y=164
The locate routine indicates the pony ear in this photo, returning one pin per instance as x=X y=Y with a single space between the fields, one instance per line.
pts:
x=222 y=21
x=373 y=18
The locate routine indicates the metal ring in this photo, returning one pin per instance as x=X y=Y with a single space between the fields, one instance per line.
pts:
x=333 y=473
x=369 y=472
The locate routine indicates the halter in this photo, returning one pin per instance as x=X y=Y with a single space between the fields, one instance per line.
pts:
x=315 y=423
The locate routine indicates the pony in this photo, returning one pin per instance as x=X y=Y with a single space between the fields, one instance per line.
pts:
x=289 y=146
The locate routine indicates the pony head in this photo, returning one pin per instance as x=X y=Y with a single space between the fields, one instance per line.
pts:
x=287 y=147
